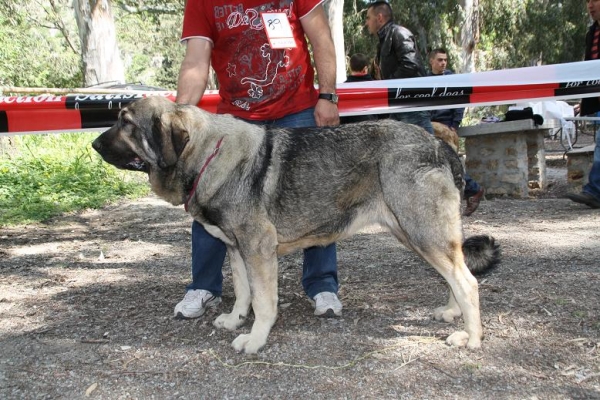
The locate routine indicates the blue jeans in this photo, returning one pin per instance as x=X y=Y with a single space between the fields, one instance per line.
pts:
x=471 y=187
x=597 y=148
x=593 y=185
x=319 y=269
x=419 y=118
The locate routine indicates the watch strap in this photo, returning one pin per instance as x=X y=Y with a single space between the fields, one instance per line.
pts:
x=332 y=97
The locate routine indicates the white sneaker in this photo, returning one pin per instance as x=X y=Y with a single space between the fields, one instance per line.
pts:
x=195 y=303
x=327 y=305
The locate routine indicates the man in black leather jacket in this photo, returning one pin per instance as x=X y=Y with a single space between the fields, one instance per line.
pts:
x=397 y=56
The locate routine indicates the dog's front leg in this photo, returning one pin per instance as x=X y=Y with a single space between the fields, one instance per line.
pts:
x=238 y=315
x=264 y=304
x=260 y=258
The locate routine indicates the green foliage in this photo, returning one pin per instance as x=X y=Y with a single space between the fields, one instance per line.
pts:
x=356 y=36
x=532 y=32
x=31 y=57
x=42 y=176
x=156 y=61
x=555 y=32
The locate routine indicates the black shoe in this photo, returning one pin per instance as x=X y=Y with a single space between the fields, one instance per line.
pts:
x=585 y=198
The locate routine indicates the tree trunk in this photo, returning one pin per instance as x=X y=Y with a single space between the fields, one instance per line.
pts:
x=420 y=36
x=469 y=34
x=99 y=50
x=335 y=13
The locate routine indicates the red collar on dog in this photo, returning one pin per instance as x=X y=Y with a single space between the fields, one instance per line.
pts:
x=208 y=160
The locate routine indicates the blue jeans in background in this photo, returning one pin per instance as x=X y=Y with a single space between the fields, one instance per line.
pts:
x=419 y=118
x=471 y=187
x=319 y=269
x=593 y=185
x=597 y=148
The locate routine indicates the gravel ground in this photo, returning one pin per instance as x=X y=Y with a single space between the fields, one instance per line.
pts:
x=86 y=304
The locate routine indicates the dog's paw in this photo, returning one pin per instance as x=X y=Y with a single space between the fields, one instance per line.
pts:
x=248 y=344
x=230 y=321
x=462 y=339
x=446 y=314
x=458 y=339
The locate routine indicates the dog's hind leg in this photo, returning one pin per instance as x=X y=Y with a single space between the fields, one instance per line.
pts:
x=448 y=261
x=464 y=296
x=426 y=218
x=237 y=317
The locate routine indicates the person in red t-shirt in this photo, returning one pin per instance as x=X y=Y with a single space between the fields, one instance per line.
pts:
x=260 y=83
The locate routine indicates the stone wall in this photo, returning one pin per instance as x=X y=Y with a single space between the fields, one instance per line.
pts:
x=507 y=158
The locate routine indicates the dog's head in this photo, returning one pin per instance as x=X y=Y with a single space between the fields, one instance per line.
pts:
x=149 y=136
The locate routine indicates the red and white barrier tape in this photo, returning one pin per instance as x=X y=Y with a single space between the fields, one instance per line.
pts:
x=49 y=113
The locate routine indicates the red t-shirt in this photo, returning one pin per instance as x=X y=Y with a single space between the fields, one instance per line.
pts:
x=255 y=81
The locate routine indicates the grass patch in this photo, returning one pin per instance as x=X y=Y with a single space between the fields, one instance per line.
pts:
x=561 y=302
x=472 y=367
x=42 y=176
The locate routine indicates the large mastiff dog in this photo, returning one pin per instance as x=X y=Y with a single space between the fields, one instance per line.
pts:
x=268 y=191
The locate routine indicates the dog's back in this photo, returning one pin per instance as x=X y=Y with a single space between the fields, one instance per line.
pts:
x=330 y=182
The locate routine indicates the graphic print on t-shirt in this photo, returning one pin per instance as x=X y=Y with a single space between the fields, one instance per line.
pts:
x=255 y=71
x=255 y=90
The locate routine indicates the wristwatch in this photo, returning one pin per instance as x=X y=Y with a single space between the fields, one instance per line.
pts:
x=332 y=97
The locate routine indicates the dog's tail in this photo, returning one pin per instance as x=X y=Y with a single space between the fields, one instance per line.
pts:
x=482 y=254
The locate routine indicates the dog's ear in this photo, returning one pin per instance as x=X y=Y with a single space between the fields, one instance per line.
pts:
x=171 y=136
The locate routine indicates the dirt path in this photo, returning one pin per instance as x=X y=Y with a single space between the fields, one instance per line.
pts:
x=86 y=309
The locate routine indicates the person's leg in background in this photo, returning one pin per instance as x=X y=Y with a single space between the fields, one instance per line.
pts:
x=208 y=256
x=593 y=185
x=473 y=194
x=597 y=148
x=590 y=195
x=419 y=118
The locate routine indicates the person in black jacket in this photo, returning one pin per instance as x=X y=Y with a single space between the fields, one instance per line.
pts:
x=397 y=56
x=359 y=68
x=359 y=72
x=590 y=195
x=452 y=117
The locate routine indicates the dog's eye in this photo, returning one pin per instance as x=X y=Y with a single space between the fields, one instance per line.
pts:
x=126 y=118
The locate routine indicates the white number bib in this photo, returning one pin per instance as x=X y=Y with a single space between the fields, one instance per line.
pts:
x=278 y=30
